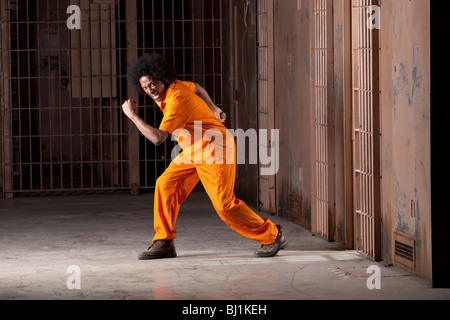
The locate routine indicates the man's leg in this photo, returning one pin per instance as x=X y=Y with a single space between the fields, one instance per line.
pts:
x=218 y=181
x=172 y=189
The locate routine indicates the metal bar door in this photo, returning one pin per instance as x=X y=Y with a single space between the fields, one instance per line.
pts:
x=191 y=35
x=61 y=127
x=266 y=116
x=323 y=164
x=366 y=131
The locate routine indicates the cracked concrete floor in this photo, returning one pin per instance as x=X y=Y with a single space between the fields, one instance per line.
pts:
x=102 y=234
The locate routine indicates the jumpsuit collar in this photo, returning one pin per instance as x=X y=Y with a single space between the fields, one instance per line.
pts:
x=166 y=95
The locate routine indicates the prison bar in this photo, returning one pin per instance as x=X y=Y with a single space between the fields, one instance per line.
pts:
x=62 y=129
x=366 y=130
x=323 y=173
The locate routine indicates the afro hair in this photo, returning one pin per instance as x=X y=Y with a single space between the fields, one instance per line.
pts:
x=154 y=65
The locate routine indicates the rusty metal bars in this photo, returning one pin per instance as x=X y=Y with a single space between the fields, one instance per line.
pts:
x=366 y=132
x=266 y=117
x=62 y=129
x=322 y=52
x=320 y=124
x=190 y=34
x=62 y=132
x=5 y=122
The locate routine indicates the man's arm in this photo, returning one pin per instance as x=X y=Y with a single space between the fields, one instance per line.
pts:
x=154 y=135
x=202 y=93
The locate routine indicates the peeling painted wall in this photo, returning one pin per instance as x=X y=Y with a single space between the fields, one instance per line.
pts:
x=292 y=109
x=294 y=23
x=405 y=121
x=405 y=94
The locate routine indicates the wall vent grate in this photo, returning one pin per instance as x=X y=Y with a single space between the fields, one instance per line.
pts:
x=404 y=250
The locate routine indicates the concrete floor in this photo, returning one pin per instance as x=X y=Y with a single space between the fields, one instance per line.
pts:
x=102 y=235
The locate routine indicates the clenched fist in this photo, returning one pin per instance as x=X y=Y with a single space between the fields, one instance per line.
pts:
x=222 y=116
x=130 y=108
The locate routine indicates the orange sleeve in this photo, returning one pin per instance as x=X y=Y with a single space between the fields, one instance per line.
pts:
x=190 y=85
x=175 y=117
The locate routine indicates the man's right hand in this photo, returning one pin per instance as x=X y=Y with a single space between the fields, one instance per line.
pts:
x=130 y=108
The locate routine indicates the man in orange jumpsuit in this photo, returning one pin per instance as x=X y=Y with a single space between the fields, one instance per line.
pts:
x=196 y=123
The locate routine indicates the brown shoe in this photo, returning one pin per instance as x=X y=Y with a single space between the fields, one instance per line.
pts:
x=271 y=250
x=160 y=249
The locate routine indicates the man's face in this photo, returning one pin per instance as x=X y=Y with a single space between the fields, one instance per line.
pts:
x=154 y=88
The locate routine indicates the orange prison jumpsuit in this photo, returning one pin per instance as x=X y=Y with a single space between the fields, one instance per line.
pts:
x=182 y=108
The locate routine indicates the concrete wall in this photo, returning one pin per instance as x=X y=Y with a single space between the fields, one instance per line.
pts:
x=342 y=104
x=405 y=94
x=405 y=121
x=244 y=114
x=294 y=112
x=293 y=109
